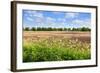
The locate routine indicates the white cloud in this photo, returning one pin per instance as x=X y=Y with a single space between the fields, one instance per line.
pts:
x=38 y=17
x=34 y=16
x=37 y=14
x=82 y=23
x=39 y=20
x=34 y=13
x=61 y=19
x=29 y=18
x=71 y=15
x=28 y=13
x=50 y=20
x=77 y=21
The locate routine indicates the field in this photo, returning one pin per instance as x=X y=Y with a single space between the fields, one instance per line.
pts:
x=56 y=45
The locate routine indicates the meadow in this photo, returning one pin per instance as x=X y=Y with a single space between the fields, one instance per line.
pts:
x=40 y=46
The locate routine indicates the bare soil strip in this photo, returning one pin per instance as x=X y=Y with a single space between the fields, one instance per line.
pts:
x=37 y=35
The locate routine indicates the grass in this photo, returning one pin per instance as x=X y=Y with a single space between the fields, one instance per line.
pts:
x=55 y=49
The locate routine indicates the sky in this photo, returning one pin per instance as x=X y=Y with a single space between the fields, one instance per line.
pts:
x=55 y=19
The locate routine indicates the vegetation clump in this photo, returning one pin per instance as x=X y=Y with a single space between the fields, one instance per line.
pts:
x=55 y=49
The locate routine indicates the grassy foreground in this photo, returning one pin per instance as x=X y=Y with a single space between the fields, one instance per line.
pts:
x=54 y=49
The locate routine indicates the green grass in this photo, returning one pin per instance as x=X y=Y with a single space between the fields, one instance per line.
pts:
x=55 y=49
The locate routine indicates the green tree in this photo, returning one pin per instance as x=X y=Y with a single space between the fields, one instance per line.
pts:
x=69 y=29
x=26 y=29
x=33 y=29
x=39 y=29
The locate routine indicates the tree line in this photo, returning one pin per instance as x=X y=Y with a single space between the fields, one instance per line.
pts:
x=56 y=29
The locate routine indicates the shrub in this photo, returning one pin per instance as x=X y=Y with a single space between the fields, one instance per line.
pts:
x=54 y=49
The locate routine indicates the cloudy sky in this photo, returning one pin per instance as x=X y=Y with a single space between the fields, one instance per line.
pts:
x=34 y=18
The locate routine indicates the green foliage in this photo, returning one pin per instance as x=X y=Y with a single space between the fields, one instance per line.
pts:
x=81 y=29
x=27 y=29
x=85 y=29
x=33 y=29
x=55 y=49
x=56 y=29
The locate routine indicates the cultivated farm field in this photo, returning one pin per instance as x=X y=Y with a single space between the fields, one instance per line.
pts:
x=56 y=45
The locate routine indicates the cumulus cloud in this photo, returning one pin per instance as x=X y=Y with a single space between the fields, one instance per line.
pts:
x=33 y=13
x=71 y=15
x=49 y=20
x=29 y=18
x=38 y=20
x=34 y=16
x=82 y=23
x=77 y=21
x=28 y=13
x=37 y=14
x=61 y=19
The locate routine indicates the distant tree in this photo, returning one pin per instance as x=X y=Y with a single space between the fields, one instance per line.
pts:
x=65 y=29
x=78 y=29
x=81 y=29
x=69 y=29
x=49 y=29
x=56 y=29
x=60 y=29
x=89 y=29
x=26 y=29
x=74 y=29
x=43 y=29
x=33 y=29
x=39 y=29
x=85 y=29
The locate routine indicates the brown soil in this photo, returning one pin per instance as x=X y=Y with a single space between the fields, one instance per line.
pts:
x=37 y=35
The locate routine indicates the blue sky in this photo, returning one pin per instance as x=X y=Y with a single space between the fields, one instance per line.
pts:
x=60 y=19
